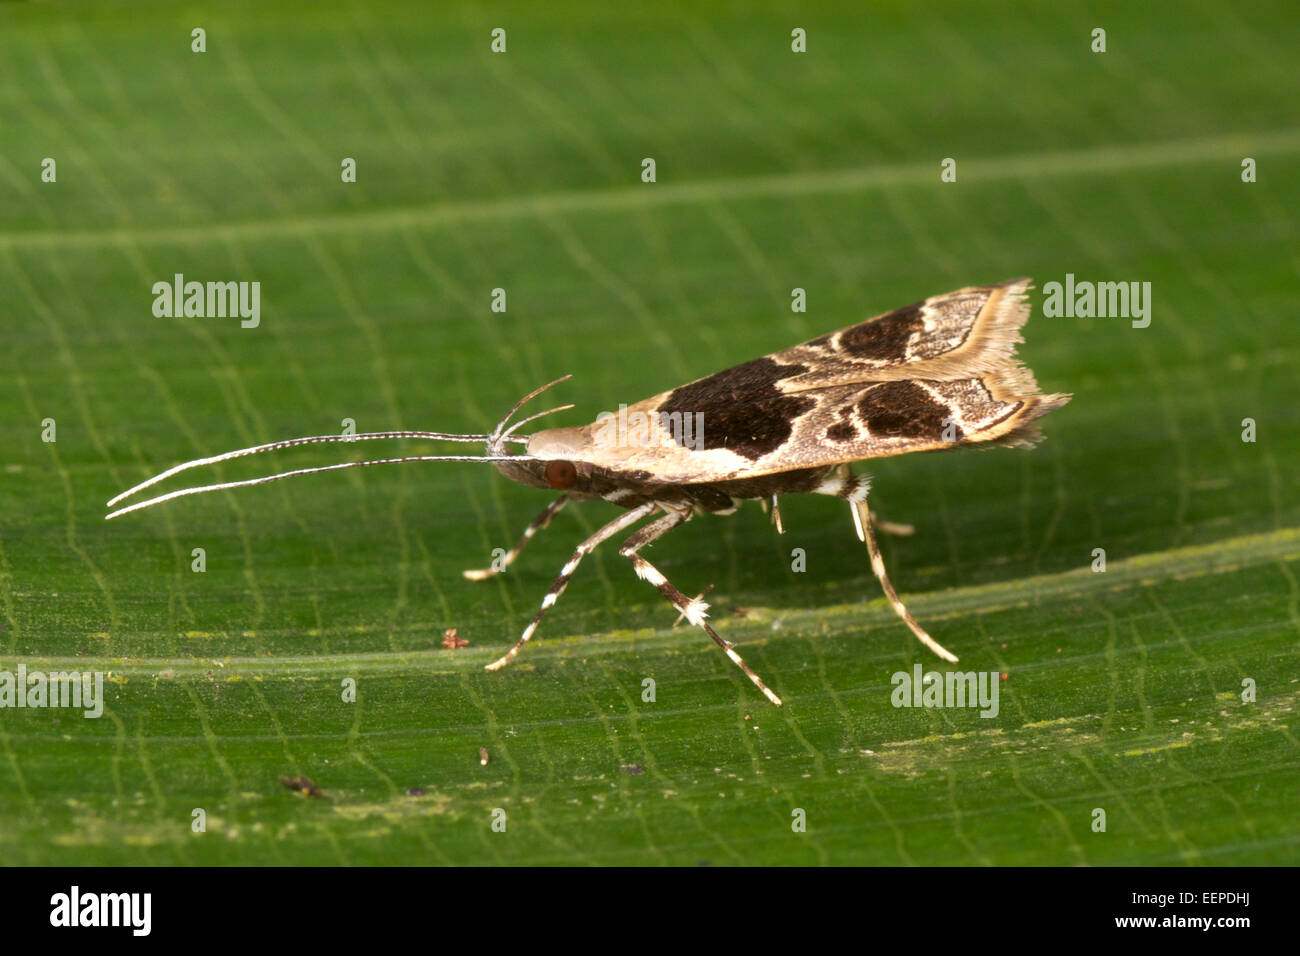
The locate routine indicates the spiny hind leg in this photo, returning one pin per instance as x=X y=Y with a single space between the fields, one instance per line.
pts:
x=693 y=610
x=536 y=525
x=862 y=523
x=608 y=531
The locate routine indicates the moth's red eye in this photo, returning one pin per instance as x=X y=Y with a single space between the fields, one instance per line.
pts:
x=560 y=474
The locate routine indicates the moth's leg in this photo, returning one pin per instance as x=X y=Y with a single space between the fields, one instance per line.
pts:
x=851 y=487
x=890 y=527
x=553 y=595
x=862 y=523
x=537 y=524
x=694 y=611
x=681 y=615
x=776 y=512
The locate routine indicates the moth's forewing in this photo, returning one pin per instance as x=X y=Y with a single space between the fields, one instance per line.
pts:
x=934 y=375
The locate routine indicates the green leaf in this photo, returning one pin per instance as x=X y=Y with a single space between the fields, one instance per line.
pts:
x=1125 y=690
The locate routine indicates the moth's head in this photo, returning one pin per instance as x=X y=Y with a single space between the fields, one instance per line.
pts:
x=558 y=459
x=555 y=458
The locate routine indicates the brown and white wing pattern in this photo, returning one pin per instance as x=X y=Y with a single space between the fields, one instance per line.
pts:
x=953 y=327
x=935 y=375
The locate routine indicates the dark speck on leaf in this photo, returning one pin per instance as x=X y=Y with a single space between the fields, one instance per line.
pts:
x=303 y=785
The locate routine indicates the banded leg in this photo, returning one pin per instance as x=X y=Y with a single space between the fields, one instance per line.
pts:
x=693 y=610
x=862 y=524
x=562 y=582
x=536 y=525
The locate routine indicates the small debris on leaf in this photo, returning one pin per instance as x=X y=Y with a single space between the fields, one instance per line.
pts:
x=303 y=785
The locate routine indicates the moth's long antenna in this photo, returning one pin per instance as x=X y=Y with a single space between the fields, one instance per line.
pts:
x=291 y=443
x=496 y=432
x=308 y=471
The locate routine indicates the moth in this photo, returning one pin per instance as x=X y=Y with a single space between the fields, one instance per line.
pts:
x=933 y=376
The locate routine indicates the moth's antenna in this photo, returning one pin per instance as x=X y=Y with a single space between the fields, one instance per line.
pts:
x=496 y=432
x=291 y=443
x=308 y=471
